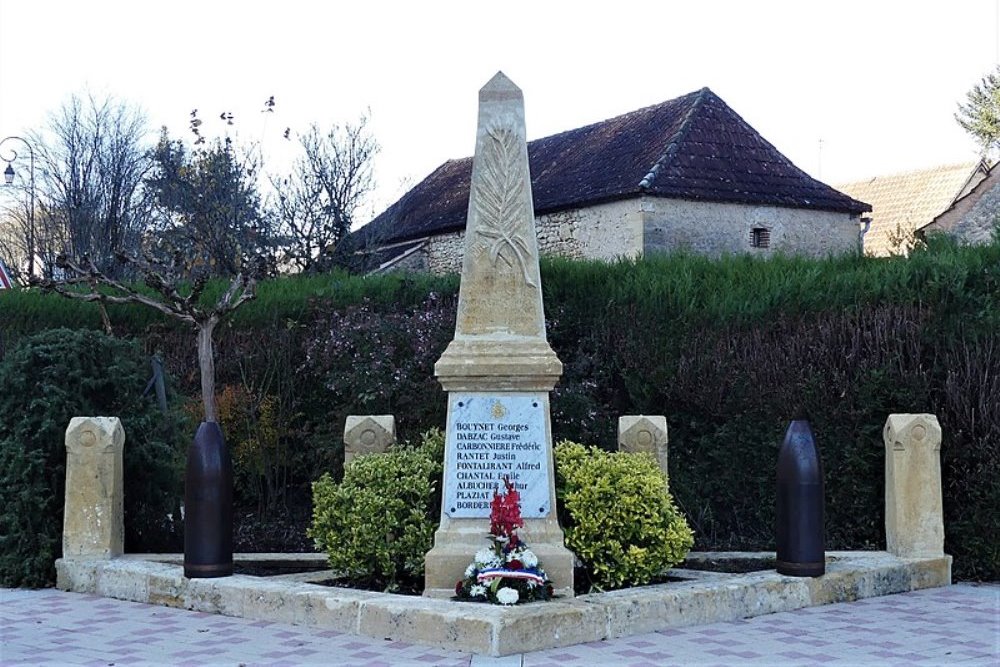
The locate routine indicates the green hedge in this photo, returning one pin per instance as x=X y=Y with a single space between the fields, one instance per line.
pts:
x=728 y=349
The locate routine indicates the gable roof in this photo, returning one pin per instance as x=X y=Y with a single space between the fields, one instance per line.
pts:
x=903 y=203
x=973 y=215
x=693 y=147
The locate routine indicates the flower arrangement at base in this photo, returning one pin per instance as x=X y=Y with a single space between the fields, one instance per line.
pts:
x=507 y=572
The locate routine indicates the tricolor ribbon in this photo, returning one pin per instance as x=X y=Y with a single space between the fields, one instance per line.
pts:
x=502 y=573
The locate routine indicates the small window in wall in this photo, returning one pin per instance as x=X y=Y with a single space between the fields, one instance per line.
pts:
x=760 y=237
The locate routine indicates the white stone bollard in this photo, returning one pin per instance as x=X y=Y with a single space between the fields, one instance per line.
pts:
x=368 y=434
x=914 y=521
x=93 y=521
x=643 y=433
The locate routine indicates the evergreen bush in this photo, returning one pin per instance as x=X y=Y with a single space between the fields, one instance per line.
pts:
x=618 y=515
x=47 y=380
x=379 y=522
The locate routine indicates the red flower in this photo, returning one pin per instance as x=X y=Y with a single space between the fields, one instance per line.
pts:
x=458 y=588
x=515 y=565
x=505 y=512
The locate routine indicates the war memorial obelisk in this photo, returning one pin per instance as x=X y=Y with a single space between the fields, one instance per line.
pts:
x=499 y=368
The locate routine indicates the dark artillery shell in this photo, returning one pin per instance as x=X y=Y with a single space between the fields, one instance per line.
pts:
x=208 y=505
x=799 y=513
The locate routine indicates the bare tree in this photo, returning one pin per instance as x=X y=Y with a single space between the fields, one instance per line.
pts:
x=315 y=206
x=14 y=232
x=93 y=158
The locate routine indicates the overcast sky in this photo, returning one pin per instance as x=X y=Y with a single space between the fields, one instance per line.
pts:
x=878 y=81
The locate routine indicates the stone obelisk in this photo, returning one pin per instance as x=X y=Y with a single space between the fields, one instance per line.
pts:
x=499 y=368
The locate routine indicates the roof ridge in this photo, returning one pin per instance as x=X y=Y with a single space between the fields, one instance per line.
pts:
x=634 y=112
x=971 y=165
x=677 y=138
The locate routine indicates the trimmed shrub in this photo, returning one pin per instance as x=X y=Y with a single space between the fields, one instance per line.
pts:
x=379 y=522
x=48 y=379
x=620 y=520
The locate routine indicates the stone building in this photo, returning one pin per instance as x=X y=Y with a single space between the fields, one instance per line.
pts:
x=973 y=219
x=903 y=203
x=688 y=173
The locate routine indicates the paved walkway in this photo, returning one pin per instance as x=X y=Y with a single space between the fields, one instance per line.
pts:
x=958 y=625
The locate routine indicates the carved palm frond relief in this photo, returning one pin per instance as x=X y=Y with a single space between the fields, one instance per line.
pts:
x=500 y=199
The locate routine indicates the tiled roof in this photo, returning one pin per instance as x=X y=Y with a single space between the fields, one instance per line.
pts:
x=693 y=147
x=903 y=203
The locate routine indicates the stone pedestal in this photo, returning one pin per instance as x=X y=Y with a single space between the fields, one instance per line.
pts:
x=499 y=368
x=914 y=522
x=644 y=433
x=93 y=521
x=368 y=434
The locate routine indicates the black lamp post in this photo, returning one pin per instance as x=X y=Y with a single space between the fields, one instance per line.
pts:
x=8 y=178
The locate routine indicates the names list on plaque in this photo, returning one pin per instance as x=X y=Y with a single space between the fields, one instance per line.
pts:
x=492 y=436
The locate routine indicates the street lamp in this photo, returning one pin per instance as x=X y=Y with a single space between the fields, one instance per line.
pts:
x=8 y=177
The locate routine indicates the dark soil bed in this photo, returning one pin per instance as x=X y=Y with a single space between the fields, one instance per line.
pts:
x=274 y=569
x=404 y=589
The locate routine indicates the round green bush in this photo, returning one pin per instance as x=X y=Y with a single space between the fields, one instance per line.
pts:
x=621 y=521
x=379 y=522
x=48 y=379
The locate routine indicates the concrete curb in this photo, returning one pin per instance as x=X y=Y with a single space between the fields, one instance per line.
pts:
x=498 y=631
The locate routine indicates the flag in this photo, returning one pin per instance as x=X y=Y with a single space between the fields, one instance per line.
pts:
x=6 y=282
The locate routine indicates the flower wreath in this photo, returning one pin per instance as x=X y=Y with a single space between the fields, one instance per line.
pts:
x=507 y=572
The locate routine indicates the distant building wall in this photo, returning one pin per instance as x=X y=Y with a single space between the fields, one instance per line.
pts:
x=632 y=227
x=605 y=231
x=974 y=219
x=713 y=228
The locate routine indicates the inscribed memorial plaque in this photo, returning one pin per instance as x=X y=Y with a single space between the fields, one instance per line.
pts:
x=491 y=436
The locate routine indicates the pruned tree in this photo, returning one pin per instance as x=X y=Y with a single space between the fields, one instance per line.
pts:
x=93 y=157
x=316 y=204
x=170 y=294
x=208 y=203
x=980 y=115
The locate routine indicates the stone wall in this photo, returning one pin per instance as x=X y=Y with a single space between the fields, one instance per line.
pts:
x=713 y=228
x=973 y=219
x=605 y=231
x=444 y=253
x=631 y=227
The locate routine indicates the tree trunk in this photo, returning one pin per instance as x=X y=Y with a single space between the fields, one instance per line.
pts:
x=206 y=364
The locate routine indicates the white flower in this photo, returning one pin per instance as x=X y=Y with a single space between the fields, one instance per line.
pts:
x=486 y=557
x=507 y=596
x=469 y=571
x=529 y=558
x=477 y=590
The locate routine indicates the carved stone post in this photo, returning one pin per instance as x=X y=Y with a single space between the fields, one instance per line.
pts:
x=914 y=522
x=644 y=433
x=368 y=434
x=499 y=368
x=93 y=521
